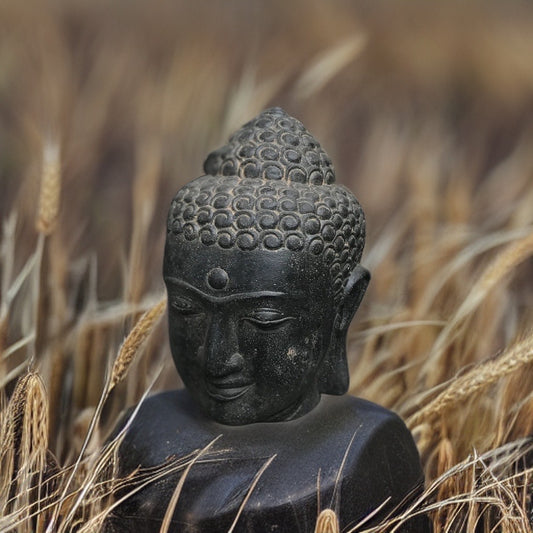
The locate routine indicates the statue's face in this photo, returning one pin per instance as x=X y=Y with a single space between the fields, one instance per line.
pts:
x=248 y=329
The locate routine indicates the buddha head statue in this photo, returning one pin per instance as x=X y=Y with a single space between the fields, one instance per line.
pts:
x=263 y=276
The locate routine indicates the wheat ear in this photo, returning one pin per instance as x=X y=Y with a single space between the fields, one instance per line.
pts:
x=50 y=193
x=133 y=342
x=27 y=436
x=475 y=381
x=327 y=522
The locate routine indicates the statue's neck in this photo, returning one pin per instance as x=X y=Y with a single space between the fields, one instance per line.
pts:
x=297 y=409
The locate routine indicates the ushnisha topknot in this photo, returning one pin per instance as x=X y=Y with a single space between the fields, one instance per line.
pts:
x=273 y=146
x=272 y=187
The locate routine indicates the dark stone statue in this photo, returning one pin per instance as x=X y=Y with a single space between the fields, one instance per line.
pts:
x=263 y=278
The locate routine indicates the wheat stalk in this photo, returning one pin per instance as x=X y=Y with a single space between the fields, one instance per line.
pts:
x=120 y=368
x=475 y=381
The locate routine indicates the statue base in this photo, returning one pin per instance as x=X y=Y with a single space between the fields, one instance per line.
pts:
x=347 y=454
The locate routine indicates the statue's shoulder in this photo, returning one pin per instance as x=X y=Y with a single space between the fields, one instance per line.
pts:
x=373 y=424
x=163 y=405
x=161 y=426
x=361 y=415
x=380 y=437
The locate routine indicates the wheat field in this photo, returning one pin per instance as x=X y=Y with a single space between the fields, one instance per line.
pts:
x=106 y=109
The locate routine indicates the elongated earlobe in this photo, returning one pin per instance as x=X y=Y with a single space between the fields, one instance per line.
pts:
x=334 y=376
x=353 y=294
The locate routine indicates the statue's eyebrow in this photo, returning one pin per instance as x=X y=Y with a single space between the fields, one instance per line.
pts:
x=236 y=296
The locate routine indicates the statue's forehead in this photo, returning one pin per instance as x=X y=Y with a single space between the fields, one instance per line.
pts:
x=215 y=271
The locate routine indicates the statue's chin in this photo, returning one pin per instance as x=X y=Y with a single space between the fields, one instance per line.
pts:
x=229 y=407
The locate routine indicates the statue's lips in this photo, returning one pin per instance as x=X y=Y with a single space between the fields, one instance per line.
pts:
x=225 y=391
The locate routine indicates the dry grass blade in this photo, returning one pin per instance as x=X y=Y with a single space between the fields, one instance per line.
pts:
x=467 y=255
x=481 y=484
x=7 y=256
x=249 y=493
x=328 y=64
x=133 y=342
x=475 y=380
x=369 y=516
x=327 y=522
x=105 y=457
x=513 y=255
x=177 y=491
x=335 y=495
x=50 y=193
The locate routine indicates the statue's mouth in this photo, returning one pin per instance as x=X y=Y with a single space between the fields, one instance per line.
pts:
x=225 y=391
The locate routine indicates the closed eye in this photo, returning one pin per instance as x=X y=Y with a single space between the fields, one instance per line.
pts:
x=185 y=306
x=268 y=324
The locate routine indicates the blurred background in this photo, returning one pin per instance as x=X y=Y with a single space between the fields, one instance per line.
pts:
x=135 y=94
x=108 y=108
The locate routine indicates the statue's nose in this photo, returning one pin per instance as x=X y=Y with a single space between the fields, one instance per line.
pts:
x=221 y=350
x=221 y=366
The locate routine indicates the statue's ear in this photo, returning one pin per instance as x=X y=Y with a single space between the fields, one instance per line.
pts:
x=334 y=375
x=353 y=294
